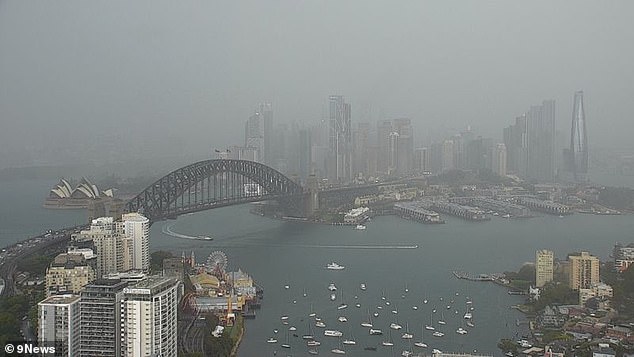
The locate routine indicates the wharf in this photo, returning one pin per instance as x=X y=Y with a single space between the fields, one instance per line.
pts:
x=477 y=277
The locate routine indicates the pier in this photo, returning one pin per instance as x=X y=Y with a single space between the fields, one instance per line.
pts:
x=549 y=207
x=498 y=206
x=454 y=209
x=417 y=211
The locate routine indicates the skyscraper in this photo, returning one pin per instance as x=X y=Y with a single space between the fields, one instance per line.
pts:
x=254 y=135
x=266 y=111
x=136 y=228
x=59 y=320
x=578 y=139
x=339 y=140
x=149 y=318
x=584 y=271
x=543 y=267
x=100 y=308
x=530 y=143
x=498 y=159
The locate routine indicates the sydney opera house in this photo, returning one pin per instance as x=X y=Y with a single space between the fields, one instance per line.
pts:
x=64 y=196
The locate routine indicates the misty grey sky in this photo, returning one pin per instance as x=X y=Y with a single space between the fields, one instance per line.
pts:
x=183 y=76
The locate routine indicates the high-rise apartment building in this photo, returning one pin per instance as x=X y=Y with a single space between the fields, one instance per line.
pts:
x=578 y=139
x=59 y=322
x=530 y=143
x=422 y=160
x=68 y=273
x=108 y=243
x=447 y=156
x=100 y=308
x=136 y=228
x=584 y=271
x=544 y=263
x=149 y=320
x=339 y=140
x=498 y=159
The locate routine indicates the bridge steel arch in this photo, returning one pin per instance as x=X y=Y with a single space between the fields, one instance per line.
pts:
x=210 y=184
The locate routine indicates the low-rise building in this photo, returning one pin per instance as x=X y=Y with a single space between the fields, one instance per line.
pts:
x=599 y=290
x=68 y=273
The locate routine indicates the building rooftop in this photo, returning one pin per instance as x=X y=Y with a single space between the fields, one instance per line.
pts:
x=60 y=299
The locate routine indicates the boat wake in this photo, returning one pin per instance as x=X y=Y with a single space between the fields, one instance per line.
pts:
x=167 y=229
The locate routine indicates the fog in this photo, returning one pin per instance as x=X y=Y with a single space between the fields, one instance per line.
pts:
x=116 y=81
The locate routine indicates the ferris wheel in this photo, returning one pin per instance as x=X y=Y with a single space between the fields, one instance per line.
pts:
x=217 y=261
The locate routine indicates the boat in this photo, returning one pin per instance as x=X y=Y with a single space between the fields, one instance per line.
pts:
x=506 y=216
x=407 y=335
x=333 y=333
x=388 y=342
x=357 y=305
x=342 y=319
x=333 y=297
x=292 y=328
x=360 y=227
x=334 y=266
x=442 y=319
x=332 y=287
x=271 y=340
x=470 y=324
x=436 y=351
x=204 y=238
x=375 y=332
x=420 y=343
x=461 y=331
x=430 y=327
x=350 y=341
x=414 y=307
x=286 y=344
x=343 y=305
x=369 y=322
x=395 y=326
x=313 y=343
x=320 y=324
x=363 y=287
x=468 y=315
x=338 y=351
x=313 y=351
x=438 y=334
x=407 y=353
x=370 y=348
x=284 y=317
x=309 y=335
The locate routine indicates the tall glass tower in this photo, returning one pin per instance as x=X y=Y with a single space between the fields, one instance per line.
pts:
x=579 y=139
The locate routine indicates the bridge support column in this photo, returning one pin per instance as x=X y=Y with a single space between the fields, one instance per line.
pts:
x=312 y=201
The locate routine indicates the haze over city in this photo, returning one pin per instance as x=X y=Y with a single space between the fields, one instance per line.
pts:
x=85 y=81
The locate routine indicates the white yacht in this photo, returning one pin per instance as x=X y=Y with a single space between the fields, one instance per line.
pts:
x=342 y=319
x=461 y=331
x=360 y=227
x=438 y=334
x=342 y=306
x=313 y=343
x=468 y=315
x=363 y=287
x=407 y=336
x=375 y=332
x=320 y=324
x=334 y=266
x=395 y=326
x=333 y=333
x=271 y=340
x=338 y=351
x=333 y=297
x=349 y=342
x=332 y=287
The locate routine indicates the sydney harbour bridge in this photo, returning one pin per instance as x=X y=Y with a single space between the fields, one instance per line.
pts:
x=222 y=182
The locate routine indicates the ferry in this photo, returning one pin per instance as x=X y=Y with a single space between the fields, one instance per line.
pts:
x=335 y=266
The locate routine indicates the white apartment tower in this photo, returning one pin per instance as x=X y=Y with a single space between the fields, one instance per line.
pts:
x=149 y=321
x=59 y=319
x=543 y=267
x=136 y=228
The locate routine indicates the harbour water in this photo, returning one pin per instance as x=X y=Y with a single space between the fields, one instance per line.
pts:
x=280 y=253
